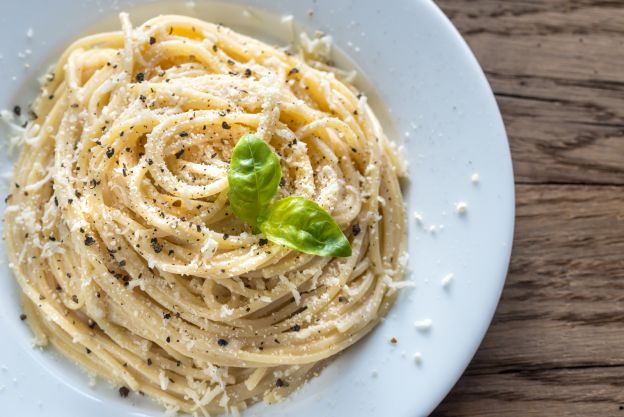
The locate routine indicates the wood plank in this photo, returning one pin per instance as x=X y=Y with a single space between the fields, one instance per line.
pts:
x=555 y=345
x=556 y=69
x=539 y=393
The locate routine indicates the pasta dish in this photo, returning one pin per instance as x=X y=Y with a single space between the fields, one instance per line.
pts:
x=201 y=217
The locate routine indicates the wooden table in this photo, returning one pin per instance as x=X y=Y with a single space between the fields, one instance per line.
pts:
x=556 y=345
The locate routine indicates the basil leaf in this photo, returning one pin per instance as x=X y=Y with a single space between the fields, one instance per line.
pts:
x=303 y=225
x=253 y=177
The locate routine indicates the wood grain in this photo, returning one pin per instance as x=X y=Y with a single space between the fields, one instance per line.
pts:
x=557 y=69
x=556 y=344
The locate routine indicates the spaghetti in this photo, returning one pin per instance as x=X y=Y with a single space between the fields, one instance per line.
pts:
x=120 y=234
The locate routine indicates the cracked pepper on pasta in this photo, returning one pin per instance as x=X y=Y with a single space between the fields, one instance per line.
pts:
x=120 y=234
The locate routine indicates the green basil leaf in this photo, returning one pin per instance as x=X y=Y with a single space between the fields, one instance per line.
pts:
x=303 y=225
x=253 y=178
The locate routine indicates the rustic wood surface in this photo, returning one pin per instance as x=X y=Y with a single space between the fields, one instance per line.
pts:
x=556 y=345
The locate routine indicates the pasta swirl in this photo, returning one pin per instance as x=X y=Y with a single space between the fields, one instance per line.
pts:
x=120 y=235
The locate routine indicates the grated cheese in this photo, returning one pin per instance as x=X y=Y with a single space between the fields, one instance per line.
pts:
x=254 y=379
x=171 y=410
x=209 y=247
x=292 y=287
x=92 y=380
x=447 y=279
x=164 y=381
x=316 y=49
x=461 y=207
x=423 y=325
x=225 y=311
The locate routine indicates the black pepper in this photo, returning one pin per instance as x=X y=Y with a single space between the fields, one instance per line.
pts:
x=123 y=392
x=152 y=40
x=263 y=241
x=225 y=125
x=247 y=72
x=356 y=229
x=296 y=328
x=222 y=342
x=225 y=236
x=17 y=110
x=155 y=245
x=89 y=240
x=293 y=71
x=110 y=152
x=179 y=153
x=140 y=77
x=23 y=317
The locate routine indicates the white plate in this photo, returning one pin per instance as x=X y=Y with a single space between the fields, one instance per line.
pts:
x=430 y=93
